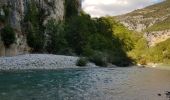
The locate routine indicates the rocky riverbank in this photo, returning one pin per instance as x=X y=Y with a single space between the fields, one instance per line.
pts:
x=39 y=61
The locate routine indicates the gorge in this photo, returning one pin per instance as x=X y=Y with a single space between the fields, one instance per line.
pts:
x=53 y=50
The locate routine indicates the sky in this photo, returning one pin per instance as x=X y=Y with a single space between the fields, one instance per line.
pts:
x=98 y=8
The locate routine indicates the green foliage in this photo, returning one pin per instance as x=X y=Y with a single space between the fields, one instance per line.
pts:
x=6 y=10
x=35 y=28
x=143 y=62
x=163 y=25
x=156 y=54
x=32 y=14
x=127 y=37
x=100 y=43
x=8 y=36
x=99 y=58
x=4 y=18
x=86 y=36
x=111 y=28
x=102 y=40
x=160 y=53
x=56 y=42
x=140 y=49
x=71 y=8
x=35 y=39
x=82 y=61
x=77 y=32
x=104 y=26
x=119 y=41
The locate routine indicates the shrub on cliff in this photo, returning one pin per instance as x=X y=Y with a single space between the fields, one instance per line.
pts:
x=8 y=36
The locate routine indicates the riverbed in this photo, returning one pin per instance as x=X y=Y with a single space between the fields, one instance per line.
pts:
x=86 y=84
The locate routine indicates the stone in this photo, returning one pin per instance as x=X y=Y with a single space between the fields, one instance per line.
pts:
x=159 y=94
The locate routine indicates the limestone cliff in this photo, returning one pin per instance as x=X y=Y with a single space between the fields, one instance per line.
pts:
x=153 y=21
x=54 y=9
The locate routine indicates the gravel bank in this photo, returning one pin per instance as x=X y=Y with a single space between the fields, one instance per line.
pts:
x=38 y=61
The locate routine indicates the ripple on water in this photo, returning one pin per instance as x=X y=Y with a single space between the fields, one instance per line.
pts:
x=86 y=84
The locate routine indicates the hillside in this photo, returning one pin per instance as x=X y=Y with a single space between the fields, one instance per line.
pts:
x=153 y=21
x=160 y=53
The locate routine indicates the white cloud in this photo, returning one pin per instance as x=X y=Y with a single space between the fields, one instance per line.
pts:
x=105 y=2
x=97 y=8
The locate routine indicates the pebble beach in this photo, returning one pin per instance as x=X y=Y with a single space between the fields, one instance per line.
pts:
x=39 y=61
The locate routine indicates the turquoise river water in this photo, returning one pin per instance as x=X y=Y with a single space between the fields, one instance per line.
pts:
x=86 y=84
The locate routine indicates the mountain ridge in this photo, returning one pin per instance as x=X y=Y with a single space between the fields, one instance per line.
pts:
x=153 y=21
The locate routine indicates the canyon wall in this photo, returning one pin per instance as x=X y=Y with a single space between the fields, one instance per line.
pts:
x=17 y=9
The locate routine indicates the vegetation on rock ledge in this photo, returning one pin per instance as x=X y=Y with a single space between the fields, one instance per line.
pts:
x=8 y=36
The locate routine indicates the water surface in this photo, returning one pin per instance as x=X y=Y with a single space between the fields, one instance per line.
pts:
x=86 y=84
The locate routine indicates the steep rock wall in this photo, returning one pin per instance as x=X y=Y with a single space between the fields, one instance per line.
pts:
x=18 y=8
x=157 y=36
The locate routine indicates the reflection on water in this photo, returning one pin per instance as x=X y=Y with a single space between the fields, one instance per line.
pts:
x=86 y=84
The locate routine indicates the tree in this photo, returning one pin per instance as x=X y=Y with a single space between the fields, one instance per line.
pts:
x=56 y=37
x=35 y=28
x=71 y=8
x=8 y=36
x=77 y=32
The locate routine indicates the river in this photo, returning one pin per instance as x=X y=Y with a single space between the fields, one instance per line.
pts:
x=86 y=84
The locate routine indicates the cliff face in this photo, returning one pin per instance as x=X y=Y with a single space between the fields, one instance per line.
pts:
x=153 y=21
x=156 y=37
x=17 y=10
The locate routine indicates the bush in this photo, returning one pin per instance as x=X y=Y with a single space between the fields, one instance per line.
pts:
x=35 y=40
x=8 y=36
x=99 y=58
x=56 y=43
x=88 y=51
x=2 y=18
x=122 y=61
x=81 y=62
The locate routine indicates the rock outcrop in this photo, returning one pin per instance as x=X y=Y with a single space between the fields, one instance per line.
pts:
x=156 y=37
x=54 y=9
x=139 y=23
x=142 y=20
